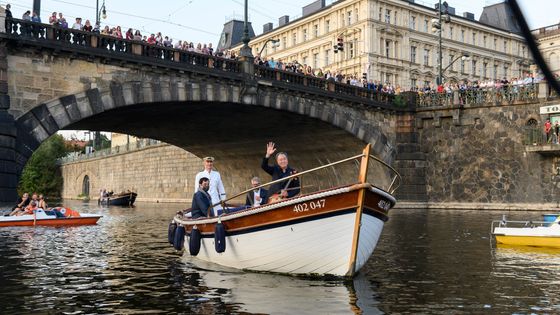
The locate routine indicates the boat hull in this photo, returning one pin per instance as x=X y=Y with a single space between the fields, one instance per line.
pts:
x=28 y=220
x=122 y=200
x=314 y=234
x=541 y=241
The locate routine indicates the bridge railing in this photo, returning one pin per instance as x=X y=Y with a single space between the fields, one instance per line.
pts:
x=508 y=94
x=133 y=146
x=76 y=38
x=320 y=83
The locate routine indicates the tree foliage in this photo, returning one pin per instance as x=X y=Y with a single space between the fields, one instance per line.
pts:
x=41 y=174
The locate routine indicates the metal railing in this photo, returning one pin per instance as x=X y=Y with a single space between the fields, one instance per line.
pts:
x=76 y=38
x=504 y=95
x=133 y=146
x=395 y=181
x=264 y=72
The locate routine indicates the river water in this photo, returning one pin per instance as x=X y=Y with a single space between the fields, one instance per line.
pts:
x=427 y=262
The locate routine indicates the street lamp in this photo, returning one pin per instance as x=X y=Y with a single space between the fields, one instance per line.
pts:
x=246 y=50
x=464 y=57
x=100 y=13
x=275 y=43
x=437 y=26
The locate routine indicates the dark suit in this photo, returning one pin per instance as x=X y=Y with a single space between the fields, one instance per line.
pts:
x=200 y=205
x=251 y=195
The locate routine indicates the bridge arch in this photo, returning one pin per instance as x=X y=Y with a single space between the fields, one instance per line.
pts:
x=216 y=119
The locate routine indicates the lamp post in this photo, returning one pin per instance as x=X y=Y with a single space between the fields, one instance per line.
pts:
x=246 y=50
x=98 y=12
x=270 y=40
x=463 y=57
x=436 y=25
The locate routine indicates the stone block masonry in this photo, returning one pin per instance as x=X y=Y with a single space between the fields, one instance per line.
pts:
x=159 y=173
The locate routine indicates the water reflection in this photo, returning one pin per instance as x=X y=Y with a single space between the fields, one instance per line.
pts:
x=427 y=262
x=279 y=294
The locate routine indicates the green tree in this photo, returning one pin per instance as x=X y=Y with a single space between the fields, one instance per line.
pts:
x=41 y=174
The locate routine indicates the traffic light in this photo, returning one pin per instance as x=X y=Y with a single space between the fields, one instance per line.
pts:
x=364 y=75
x=340 y=44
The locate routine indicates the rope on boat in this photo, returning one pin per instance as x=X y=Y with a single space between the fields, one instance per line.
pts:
x=265 y=208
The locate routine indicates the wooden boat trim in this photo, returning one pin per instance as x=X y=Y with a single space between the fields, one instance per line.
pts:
x=273 y=206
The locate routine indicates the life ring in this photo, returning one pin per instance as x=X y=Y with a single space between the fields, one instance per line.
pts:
x=220 y=238
x=179 y=239
x=171 y=232
x=194 y=242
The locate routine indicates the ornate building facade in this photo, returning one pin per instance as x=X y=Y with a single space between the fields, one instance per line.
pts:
x=393 y=41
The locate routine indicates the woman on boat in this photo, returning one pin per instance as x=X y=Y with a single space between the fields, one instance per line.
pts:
x=288 y=188
x=42 y=203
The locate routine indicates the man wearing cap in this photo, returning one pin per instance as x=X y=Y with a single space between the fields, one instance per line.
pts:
x=216 y=191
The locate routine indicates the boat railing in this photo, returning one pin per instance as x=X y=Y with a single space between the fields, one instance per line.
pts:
x=391 y=188
x=518 y=224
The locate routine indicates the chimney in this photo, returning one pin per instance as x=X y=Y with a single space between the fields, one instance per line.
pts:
x=283 y=20
x=267 y=27
x=468 y=15
x=312 y=7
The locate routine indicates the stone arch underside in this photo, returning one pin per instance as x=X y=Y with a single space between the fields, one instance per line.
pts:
x=313 y=133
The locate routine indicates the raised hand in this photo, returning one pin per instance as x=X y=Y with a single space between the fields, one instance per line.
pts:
x=270 y=149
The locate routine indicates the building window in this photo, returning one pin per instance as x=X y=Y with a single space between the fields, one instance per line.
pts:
x=473 y=68
x=327 y=57
x=451 y=64
x=327 y=26
x=495 y=74
x=413 y=83
x=294 y=39
x=505 y=46
x=388 y=48
x=304 y=34
x=474 y=38
x=484 y=41
x=342 y=19
x=506 y=71
x=356 y=15
x=349 y=16
x=426 y=57
x=315 y=61
x=495 y=44
x=284 y=40
x=463 y=36
x=351 y=52
x=396 y=14
x=380 y=14
x=462 y=66
x=523 y=52
x=451 y=32
x=413 y=54
x=412 y=22
x=425 y=25
x=388 y=16
x=484 y=69
x=316 y=30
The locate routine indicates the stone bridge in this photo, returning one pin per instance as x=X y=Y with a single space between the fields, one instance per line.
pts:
x=53 y=79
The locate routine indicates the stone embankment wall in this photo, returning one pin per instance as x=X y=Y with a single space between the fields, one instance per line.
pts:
x=475 y=157
x=158 y=173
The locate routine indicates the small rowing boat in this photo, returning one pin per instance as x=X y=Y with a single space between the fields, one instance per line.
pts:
x=527 y=233
x=59 y=216
x=121 y=199
x=327 y=232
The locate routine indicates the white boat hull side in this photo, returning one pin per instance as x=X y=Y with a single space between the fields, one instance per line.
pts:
x=320 y=246
x=369 y=236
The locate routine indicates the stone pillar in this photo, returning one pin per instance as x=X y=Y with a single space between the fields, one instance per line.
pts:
x=250 y=87
x=9 y=174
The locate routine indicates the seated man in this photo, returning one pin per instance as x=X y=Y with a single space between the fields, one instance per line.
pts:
x=201 y=200
x=258 y=196
x=21 y=204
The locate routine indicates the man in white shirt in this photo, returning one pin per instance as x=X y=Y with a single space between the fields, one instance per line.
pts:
x=216 y=191
x=256 y=197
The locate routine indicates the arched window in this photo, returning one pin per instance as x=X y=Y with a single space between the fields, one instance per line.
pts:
x=85 y=186
x=533 y=135
x=532 y=123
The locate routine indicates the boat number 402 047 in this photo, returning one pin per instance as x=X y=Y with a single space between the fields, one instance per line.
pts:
x=312 y=205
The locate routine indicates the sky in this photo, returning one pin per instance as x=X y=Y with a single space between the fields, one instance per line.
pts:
x=201 y=21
